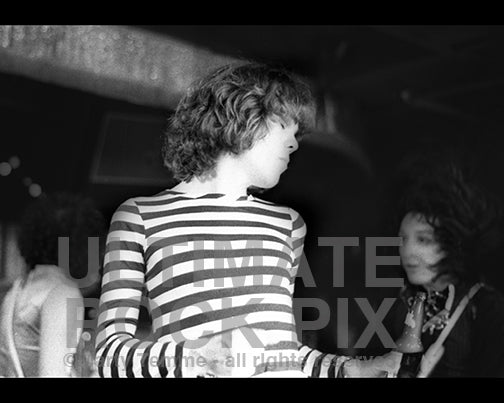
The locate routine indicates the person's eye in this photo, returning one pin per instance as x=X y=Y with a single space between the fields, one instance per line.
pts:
x=425 y=240
x=283 y=125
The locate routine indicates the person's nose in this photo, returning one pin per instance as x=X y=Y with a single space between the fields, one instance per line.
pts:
x=409 y=251
x=293 y=145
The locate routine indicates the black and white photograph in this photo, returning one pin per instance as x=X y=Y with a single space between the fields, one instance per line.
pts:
x=251 y=201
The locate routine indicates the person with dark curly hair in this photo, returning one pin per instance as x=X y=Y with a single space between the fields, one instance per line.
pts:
x=451 y=228
x=42 y=313
x=216 y=264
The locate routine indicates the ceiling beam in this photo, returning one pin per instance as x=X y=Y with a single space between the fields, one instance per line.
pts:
x=113 y=61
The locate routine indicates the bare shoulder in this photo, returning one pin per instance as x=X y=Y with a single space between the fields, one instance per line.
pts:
x=62 y=294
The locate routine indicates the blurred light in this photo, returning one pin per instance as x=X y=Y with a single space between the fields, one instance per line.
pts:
x=406 y=96
x=14 y=161
x=35 y=190
x=27 y=181
x=5 y=168
x=112 y=61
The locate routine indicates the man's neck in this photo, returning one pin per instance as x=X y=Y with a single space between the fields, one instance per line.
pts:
x=227 y=178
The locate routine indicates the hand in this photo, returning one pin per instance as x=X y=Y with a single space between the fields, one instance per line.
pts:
x=233 y=353
x=206 y=357
x=377 y=367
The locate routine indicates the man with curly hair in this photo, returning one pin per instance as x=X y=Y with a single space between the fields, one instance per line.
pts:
x=216 y=263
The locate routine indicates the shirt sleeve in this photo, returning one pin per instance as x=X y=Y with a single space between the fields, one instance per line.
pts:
x=321 y=365
x=313 y=362
x=297 y=240
x=118 y=352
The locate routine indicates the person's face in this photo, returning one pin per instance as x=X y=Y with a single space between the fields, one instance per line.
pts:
x=420 y=253
x=269 y=156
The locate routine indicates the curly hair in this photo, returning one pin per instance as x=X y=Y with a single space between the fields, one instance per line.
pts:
x=465 y=217
x=59 y=215
x=227 y=111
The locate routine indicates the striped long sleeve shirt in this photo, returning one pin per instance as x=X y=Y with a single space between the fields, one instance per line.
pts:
x=201 y=265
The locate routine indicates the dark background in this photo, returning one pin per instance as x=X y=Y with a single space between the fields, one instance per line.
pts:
x=398 y=89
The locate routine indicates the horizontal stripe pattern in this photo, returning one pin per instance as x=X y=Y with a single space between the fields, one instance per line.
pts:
x=201 y=265
x=320 y=365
